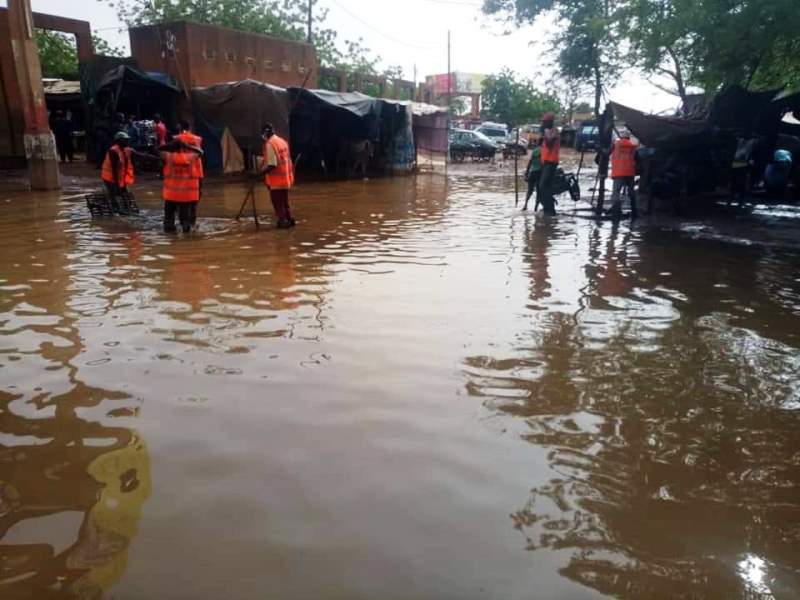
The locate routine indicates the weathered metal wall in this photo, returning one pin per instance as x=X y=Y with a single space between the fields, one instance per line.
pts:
x=11 y=117
x=199 y=55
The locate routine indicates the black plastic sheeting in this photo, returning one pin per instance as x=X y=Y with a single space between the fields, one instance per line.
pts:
x=322 y=113
x=243 y=107
x=662 y=132
x=734 y=112
x=124 y=75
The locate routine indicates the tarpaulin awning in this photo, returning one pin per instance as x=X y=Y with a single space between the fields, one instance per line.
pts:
x=124 y=75
x=662 y=132
x=243 y=107
x=356 y=103
x=331 y=115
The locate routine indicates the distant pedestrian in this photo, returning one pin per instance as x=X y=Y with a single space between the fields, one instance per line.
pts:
x=161 y=130
x=532 y=174
x=278 y=175
x=63 y=129
x=551 y=156
x=623 y=173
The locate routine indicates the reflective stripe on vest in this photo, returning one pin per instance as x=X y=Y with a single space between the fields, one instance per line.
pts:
x=623 y=161
x=551 y=155
x=124 y=166
x=181 y=184
x=282 y=176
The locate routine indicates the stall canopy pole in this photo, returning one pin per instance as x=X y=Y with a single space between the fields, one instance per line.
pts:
x=516 y=170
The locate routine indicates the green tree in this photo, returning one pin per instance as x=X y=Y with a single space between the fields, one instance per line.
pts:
x=58 y=53
x=587 y=42
x=512 y=100
x=710 y=43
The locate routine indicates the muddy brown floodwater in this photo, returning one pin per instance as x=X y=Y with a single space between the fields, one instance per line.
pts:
x=419 y=393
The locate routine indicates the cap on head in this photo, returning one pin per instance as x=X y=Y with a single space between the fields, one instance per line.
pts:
x=548 y=116
x=121 y=136
x=267 y=130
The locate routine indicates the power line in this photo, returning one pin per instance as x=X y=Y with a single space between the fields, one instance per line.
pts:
x=379 y=32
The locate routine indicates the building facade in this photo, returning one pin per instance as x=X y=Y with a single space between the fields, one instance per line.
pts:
x=198 y=55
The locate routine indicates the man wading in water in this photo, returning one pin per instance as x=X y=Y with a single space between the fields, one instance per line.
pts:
x=532 y=174
x=278 y=175
x=551 y=149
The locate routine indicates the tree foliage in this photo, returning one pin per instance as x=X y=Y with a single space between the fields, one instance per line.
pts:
x=704 y=43
x=281 y=18
x=710 y=43
x=58 y=53
x=512 y=100
x=587 y=39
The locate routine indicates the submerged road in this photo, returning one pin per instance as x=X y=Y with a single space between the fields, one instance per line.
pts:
x=418 y=393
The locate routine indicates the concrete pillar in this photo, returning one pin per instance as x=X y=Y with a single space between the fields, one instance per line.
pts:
x=40 y=145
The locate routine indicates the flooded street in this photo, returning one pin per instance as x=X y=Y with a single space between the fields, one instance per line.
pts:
x=418 y=393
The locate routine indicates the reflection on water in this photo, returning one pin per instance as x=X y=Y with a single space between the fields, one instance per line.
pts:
x=671 y=428
x=72 y=479
x=368 y=397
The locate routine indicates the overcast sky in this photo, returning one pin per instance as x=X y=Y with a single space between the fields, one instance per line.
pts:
x=414 y=32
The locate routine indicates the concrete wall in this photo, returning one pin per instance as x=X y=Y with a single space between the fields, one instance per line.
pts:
x=199 y=55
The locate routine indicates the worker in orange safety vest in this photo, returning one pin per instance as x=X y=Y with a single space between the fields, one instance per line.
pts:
x=278 y=173
x=117 y=173
x=623 y=172
x=182 y=187
x=187 y=137
x=551 y=155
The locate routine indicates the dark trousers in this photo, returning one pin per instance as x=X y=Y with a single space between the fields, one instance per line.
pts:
x=620 y=183
x=186 y=211
x=66 y=150
x=280 y=202
x=545 y=192
x=533 y=183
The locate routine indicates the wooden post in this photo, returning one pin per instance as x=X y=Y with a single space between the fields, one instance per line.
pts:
x=516 y=170
x=40 y=145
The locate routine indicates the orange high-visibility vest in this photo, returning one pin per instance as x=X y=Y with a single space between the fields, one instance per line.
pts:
x=191 y=139
x=282 y=176
x=181 y=183
x=124 y=166
x=187 y=137
x=551 y=155
x=623 y=159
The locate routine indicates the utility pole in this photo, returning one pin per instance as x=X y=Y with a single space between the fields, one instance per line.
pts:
x=449 y=75
x=310 y=20
x=449 y=101
x=40 y=146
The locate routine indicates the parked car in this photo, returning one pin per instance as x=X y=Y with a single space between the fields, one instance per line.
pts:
x=587 y=136
x=512 y=145
x=470 y=144
x=497 y=132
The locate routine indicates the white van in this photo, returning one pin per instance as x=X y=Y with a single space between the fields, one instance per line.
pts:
x=497 y=132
